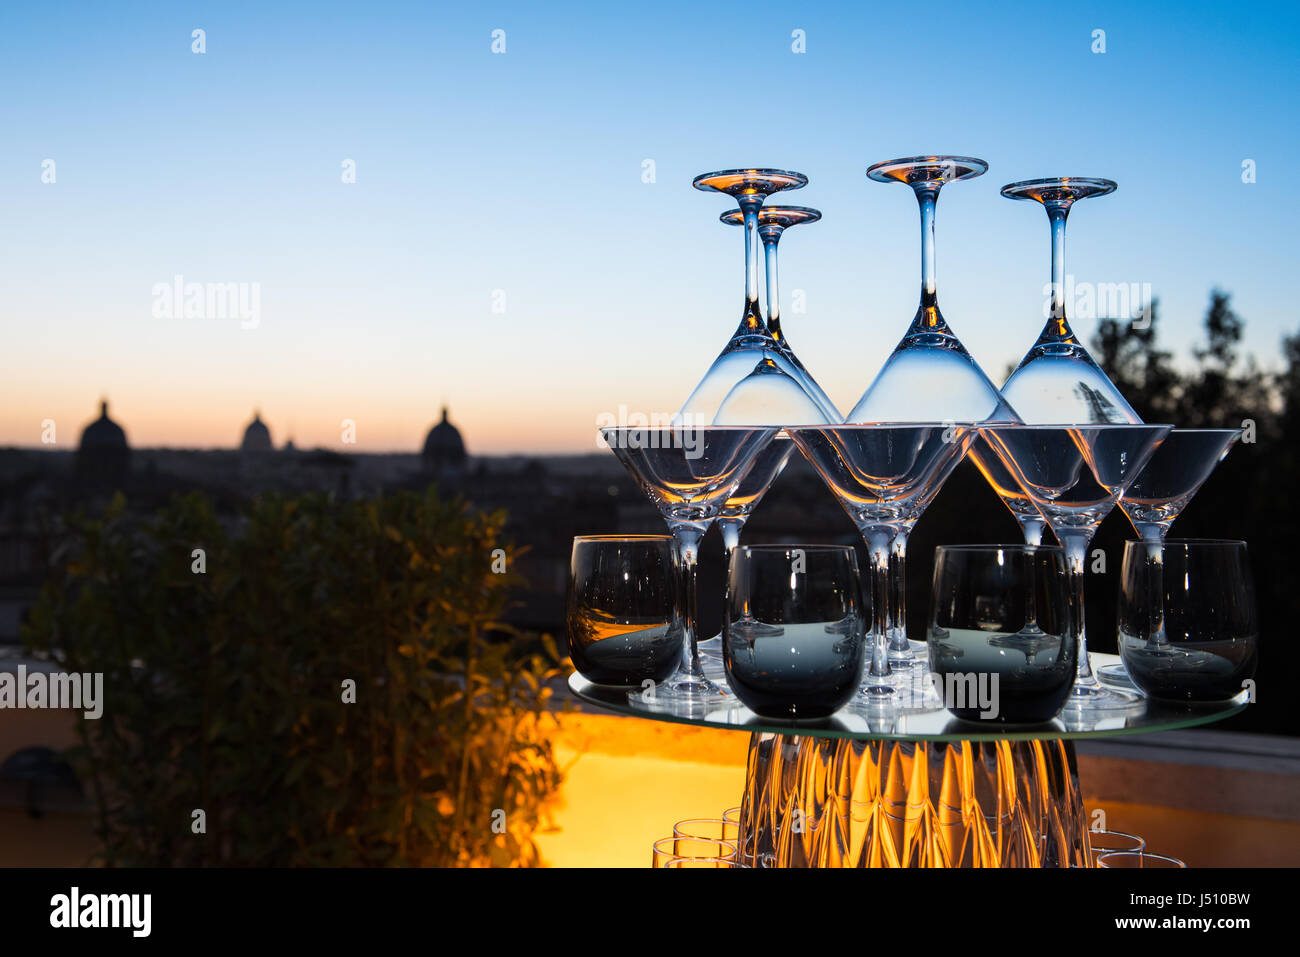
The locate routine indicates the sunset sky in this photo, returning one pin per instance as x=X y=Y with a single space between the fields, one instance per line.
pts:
x=521 y=172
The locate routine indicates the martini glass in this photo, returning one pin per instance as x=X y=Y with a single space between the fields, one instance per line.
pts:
x=777 y=395
x=884 y=476
x=773 y=221
x=1075 y=475
x=930 y=377
x=1175 y=473
x=1058 y=382
x=688 y=474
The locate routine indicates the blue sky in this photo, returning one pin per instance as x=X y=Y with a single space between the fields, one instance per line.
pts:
x=522 y=172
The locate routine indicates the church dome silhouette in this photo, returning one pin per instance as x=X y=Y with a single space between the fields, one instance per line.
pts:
x=257 y=437
x=103 y=453
x=103 y=433
x=444 y=449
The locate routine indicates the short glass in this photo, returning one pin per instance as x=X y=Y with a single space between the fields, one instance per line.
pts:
x=705 y=862
x=708 y=828
x=619 y=611
x=676 y=848
x=1119 y=859
x=792 y=635
x=1001 y=645
x=1188 y=628
x=1105 y=842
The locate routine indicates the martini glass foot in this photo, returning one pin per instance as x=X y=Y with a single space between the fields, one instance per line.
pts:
x=1116 y=675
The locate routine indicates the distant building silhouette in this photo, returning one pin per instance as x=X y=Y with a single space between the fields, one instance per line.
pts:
x=257 y=437
x=103 y=455
x=444 y=450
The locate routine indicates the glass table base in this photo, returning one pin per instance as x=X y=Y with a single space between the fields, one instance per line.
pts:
x=828 y=802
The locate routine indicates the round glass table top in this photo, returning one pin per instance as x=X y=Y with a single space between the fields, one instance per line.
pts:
x=867 y=722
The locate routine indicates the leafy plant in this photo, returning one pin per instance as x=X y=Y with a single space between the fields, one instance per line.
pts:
x=328 y=682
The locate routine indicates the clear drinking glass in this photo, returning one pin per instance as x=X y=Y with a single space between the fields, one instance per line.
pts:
x=675 y=848
x=688 y=474
x=1188 y=627
x=1058 y=382
x=796 y=667
x=1129 y=859
x=707 y=828
x=620 y=608
x=1001 y=643
x=1107 y=842
x=719 y=863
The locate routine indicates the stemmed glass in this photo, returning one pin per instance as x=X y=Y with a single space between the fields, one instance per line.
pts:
x=773 y=221
x=777 y=395
x=1058 y=382
x=1176 y=472
x=688 y=474
x=1075 y=475
x=884 y=476
x=929 y=376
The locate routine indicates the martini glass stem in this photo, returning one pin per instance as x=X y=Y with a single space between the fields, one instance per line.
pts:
x=1033 y=531
x=770 y=239
x=928 y=314
x=1057 y=328
x=1032 y=528
x=687 y=543
x=730 y=528
x=898 y=603
x=752 y=320
x=1155 y=543
x=1076 y=556
x=879 y=542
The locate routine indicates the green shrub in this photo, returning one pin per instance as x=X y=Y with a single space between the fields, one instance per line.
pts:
x=224 y=690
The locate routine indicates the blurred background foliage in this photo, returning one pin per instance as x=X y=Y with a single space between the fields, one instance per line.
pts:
x=227 y=690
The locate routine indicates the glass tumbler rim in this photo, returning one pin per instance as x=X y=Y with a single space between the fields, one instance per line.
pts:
x=622 y=538
x=1011 y=547
x=769 y=547
x=1141 y=856
x=1175 y=543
